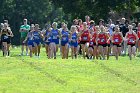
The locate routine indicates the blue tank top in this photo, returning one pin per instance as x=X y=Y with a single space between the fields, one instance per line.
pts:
x=74 y=37
x=30 y=36
x=54 y=34
x=65 y=35
x=48 y=36
x=36 y=35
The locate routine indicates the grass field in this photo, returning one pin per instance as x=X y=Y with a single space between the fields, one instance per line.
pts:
x=25 y=75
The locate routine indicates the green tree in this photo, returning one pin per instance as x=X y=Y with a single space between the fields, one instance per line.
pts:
x=96 y=8
x=16 y=10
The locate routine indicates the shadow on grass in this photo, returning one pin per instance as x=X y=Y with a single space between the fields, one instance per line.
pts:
x=52 y=77
x=117 y=74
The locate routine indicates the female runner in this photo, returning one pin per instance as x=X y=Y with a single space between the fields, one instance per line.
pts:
x=64 y=42
x=5 y=35
x=85 y=38
x=74 y=41
x=131 y=38
x=91 y=48
x=55 y=35
x=37 y=40
x=94 y=37
x=101 y=41
x=30 y=41
x=117 y=39
x=47 y=39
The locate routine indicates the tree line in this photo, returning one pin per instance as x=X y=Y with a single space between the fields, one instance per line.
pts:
x=47 y=11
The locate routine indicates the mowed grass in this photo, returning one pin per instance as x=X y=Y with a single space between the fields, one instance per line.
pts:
x=25 y=75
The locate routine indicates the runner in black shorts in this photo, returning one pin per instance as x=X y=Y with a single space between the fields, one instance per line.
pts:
x=102 y=39
x=6 y=34
x=85 y=38
x=117 y=39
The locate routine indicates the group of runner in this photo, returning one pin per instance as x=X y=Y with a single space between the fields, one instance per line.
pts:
x=85 y=38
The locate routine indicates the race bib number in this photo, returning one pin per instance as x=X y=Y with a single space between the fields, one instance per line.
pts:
x=54 y=37
x=31 y=38
x=91 y=43
x=36 y=37
x=85 y=38
x=116 y=40
x=48 y=39
x=64 y=38
x=131 y=40
x=73 y=40
x=5 y=37
x=73 y=37
x=102 y=40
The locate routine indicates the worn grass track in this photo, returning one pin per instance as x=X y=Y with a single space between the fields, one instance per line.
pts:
x=25 y=75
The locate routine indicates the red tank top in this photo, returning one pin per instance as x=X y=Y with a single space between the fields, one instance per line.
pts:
x=94 y=36
x=131 y=38
x=117 y=38
x=102 y=38
x=85 y=36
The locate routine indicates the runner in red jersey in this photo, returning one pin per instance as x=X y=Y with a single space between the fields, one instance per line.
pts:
x=93 y=38
x=138 y=33
x=131 y=38
x=117 y=39
x=91 y=48
x=108 y=42
x=102 y=38
x=92 y=44
x=85 y=38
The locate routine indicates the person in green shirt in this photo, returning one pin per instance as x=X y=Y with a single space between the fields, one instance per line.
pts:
x=24 y=29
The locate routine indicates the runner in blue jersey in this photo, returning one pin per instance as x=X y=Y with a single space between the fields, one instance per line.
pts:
x=37 y=40
x=29 y=39
x=47 y=40
x=74 y=41
x=55 y=40
x=64 y=42
x=55 y=35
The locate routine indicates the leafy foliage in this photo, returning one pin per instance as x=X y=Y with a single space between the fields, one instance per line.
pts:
x=36 y=11
x=96 y=8
x=42 y=11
